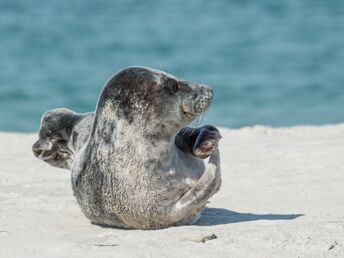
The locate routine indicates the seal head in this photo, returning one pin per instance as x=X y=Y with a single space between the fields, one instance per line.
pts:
x=153 y=100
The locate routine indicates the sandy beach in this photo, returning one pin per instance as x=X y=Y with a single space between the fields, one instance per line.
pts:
x=282 y=196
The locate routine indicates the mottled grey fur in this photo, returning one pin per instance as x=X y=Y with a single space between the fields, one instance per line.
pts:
x=61 y=135
x=134 y=170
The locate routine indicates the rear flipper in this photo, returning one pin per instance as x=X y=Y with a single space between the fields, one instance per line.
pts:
x=53 y=151
x=54 y=145
x=199 y=142
x=193 y=201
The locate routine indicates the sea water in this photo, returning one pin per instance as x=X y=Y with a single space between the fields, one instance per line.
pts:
x=270 y=62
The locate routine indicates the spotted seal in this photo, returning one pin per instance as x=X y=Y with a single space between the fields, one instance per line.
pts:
x=140 y=168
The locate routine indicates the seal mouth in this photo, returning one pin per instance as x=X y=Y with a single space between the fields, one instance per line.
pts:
x=188 y=115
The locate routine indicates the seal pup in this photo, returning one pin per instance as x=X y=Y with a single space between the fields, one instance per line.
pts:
x=61 y=135
x=134 y=171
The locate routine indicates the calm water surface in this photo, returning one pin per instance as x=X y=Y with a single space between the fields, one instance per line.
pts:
x=270 y=62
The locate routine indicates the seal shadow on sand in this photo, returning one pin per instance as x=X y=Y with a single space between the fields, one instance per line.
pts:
x=218 y=216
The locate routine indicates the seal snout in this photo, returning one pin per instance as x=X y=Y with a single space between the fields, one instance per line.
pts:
x=208 y=91
x=198 y=102
x=204 y=98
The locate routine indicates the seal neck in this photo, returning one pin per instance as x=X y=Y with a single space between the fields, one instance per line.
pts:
x=139 y=138
x=145 y=142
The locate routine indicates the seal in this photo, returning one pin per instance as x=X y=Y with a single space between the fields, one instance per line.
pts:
x=138 y=169
x=61 y=135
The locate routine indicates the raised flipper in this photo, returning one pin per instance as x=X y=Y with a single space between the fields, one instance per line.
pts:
x=198 y=142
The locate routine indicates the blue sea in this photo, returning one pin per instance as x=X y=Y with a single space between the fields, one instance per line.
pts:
x=270 y=62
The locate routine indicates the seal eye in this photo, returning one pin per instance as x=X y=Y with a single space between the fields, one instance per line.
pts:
x=174 y=86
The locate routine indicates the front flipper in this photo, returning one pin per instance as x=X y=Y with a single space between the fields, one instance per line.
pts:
x=199 y=142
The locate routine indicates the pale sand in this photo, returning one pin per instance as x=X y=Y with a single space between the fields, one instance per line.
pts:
x=270 y=178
